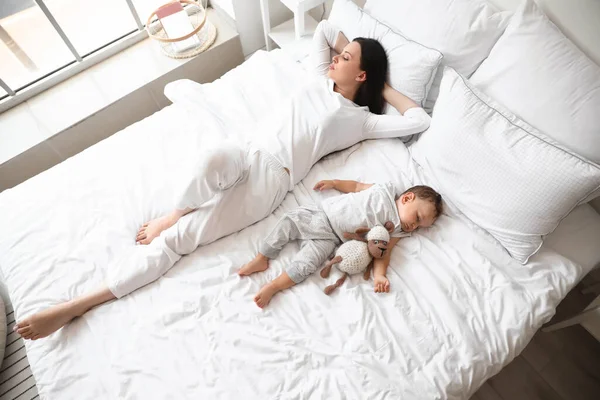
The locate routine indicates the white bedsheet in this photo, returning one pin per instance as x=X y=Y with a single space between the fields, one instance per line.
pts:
x=460 y=308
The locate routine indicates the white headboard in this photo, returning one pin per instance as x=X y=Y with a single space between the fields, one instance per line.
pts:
x=579 y=20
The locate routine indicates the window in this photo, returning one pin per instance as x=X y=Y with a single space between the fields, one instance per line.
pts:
x=43 y=38
x=28 y=54
x=90 y=25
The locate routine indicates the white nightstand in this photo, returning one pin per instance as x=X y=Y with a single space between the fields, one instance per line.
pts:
x=294 y=35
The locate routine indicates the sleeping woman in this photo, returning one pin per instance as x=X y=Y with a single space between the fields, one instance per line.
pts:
x=237 y=185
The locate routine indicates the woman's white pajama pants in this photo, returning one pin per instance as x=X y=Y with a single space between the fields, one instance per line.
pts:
x=232 y=188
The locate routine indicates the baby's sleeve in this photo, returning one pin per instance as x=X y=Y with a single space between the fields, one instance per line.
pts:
x=394 y=188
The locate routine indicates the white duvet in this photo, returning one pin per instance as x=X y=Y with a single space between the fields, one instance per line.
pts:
x=460 y=308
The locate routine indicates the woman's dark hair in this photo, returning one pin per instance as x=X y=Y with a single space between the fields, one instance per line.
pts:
x=373 y=60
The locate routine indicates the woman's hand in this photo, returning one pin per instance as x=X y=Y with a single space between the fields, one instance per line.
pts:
x=324 y=185
x=399 y=101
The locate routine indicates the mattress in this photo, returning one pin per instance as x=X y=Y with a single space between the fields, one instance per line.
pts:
x=459 y=308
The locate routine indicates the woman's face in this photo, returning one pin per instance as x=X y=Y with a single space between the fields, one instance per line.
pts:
x=345 y=68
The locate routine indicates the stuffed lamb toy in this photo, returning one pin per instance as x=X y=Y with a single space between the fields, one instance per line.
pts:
x=356 y=256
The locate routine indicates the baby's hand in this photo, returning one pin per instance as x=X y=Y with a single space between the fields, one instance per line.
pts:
x=324 y=185
x=381 y=284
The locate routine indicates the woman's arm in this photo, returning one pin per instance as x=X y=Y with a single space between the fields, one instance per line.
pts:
x=341 y=42
x=380 y=265
x=399 y=101
x=326 y=37
x=342 y=186
x=415 y=120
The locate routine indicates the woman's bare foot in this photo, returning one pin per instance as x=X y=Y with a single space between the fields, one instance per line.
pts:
x=45 y=322
x=258 y=264
x=152 y=229
x=263 y=297
x=50 y=320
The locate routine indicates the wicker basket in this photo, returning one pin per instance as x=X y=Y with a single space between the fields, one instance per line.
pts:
x=204 y=30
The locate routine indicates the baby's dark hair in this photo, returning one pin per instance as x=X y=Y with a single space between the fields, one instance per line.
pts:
x=426 y=193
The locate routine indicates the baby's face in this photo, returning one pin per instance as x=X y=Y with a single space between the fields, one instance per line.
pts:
x=415 y=213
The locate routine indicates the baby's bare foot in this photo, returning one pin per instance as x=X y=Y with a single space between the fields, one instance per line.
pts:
x=263 y=297
x=259 y=264
x=45 y=322
x=152 y=229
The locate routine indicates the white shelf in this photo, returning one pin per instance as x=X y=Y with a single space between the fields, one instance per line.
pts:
x=284 y=36
x=303 y=5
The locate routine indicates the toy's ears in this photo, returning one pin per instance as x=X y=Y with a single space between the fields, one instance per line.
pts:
x=362 y=231
x=354 y=236
x=389 y=226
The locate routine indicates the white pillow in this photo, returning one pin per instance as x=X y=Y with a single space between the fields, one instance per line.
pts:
x=542 y=77
x=463 y=30
x=412 y=66
x=500 y=172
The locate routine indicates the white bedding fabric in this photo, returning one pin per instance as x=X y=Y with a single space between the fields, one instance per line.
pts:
x=460 y=308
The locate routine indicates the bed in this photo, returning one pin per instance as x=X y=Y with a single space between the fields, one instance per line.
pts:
x=460 y=307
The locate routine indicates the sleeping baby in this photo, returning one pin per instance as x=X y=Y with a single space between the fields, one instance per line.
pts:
x=320 y=231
